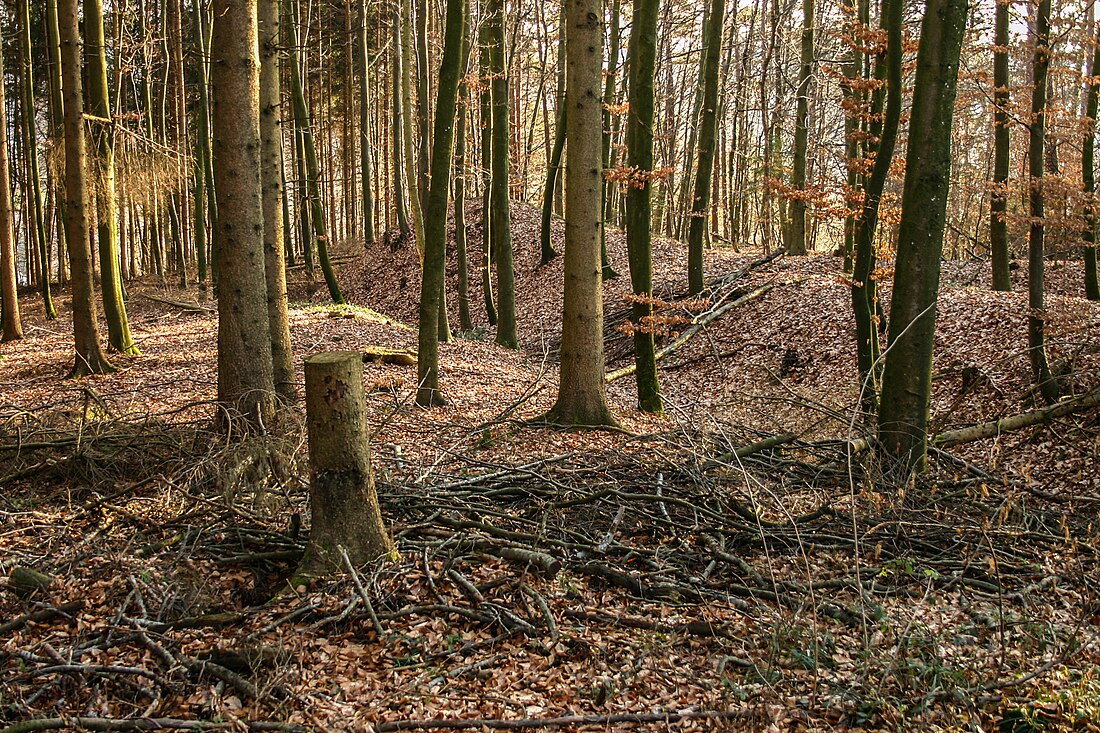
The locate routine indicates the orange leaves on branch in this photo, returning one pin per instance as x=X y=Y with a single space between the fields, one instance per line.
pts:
x=635 y=177
x=660 y=323
x=617 y=109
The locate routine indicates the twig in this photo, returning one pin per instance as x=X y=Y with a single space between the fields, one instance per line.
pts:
x=566 y=720
x=362 y=592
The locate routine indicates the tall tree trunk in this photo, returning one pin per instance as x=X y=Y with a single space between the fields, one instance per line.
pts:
x=708 y=125
x=485 y=114
x=435 y=243
x=398 y=129
x=864 y=292
x=907 y=377
x=118 y=325
x=9 y=293
x=609 y=92
x=582 y=391
x=366 y=190
x=501 y=228
x=639 y=142
x=246 y=386
x=998 y=205
x=799 y=237
x=412 y=180
x=1088 y=170
x=464 y=321
x=89 y=354
x=57 y=127
x=203 y=143
x=317 y=210
x=423 y=111
x=553 y=167
x=37 y=224
x=271 y=182
x=1036 y=328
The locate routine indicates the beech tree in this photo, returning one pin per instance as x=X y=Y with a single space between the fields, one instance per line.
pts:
x=639 y=142
x=1088 y=170
x=110 y=272
x=435 y=242
x=998 y=203
x=864 y=292
x=907 y=375
x=501 y=226
x=582 y=392
x=712 y=54
x=1036 y=266
x=10 y=320
x=245 y=383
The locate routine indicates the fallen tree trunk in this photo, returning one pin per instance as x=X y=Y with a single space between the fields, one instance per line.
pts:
x=990 y=429
x=698 y=325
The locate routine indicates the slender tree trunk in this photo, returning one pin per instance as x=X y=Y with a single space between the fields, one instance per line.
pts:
x=366 y=190
x=864 y=292
x=37 y=225
x=1088 y=170
x=412 y=180
x=9 y=293
x=89 y=354
x=609 y=92
x=501 y=228
x=423 y=111
x=398 y=125
x=485 y=113
x=998 y=205
x=639 y=134
x=799 y=239
x=246 y=386
x=553 y=166
x=463 y=112
x=582 y=391
x=271 y=181
x=203 y=142
x=1036 y=328
x=317 y=210
x=118 y=325
x=907 y=377
x=435 y=243
x=708 y=126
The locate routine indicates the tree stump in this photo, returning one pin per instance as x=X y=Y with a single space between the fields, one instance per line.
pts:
x=343 y=501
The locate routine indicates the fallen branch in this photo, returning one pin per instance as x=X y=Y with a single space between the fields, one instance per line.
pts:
x=993 y=428
x=124 y=724
x=47 y=614
x=181 y=304
x=698 y=325
x=566 y=720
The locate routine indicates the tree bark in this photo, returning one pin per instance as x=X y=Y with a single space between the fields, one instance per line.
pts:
x=271 y=180
x=501 y=227
x=907 y=377
x=89 y=354
x=998 y=204
x=864 y=290
x=1088 y=171
x=1036 y=265
x=639 y=198
x=708 y=126
x=799 y=239
x=343 y=501
x=245 y=382
x=38 y=227
x=9 y=293
x=366 y=190
x=435 y=242
x=582 y=392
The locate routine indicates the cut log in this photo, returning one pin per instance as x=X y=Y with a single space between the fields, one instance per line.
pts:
x=382 y=355
x=24 y=581
x=981 y=431
x=343 y=500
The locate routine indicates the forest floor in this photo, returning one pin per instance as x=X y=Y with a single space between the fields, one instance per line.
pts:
x=652 y=577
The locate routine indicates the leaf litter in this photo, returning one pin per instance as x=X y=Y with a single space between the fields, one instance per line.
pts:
x=652 y=577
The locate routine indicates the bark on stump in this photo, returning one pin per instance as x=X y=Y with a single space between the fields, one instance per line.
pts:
x=344 y=504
